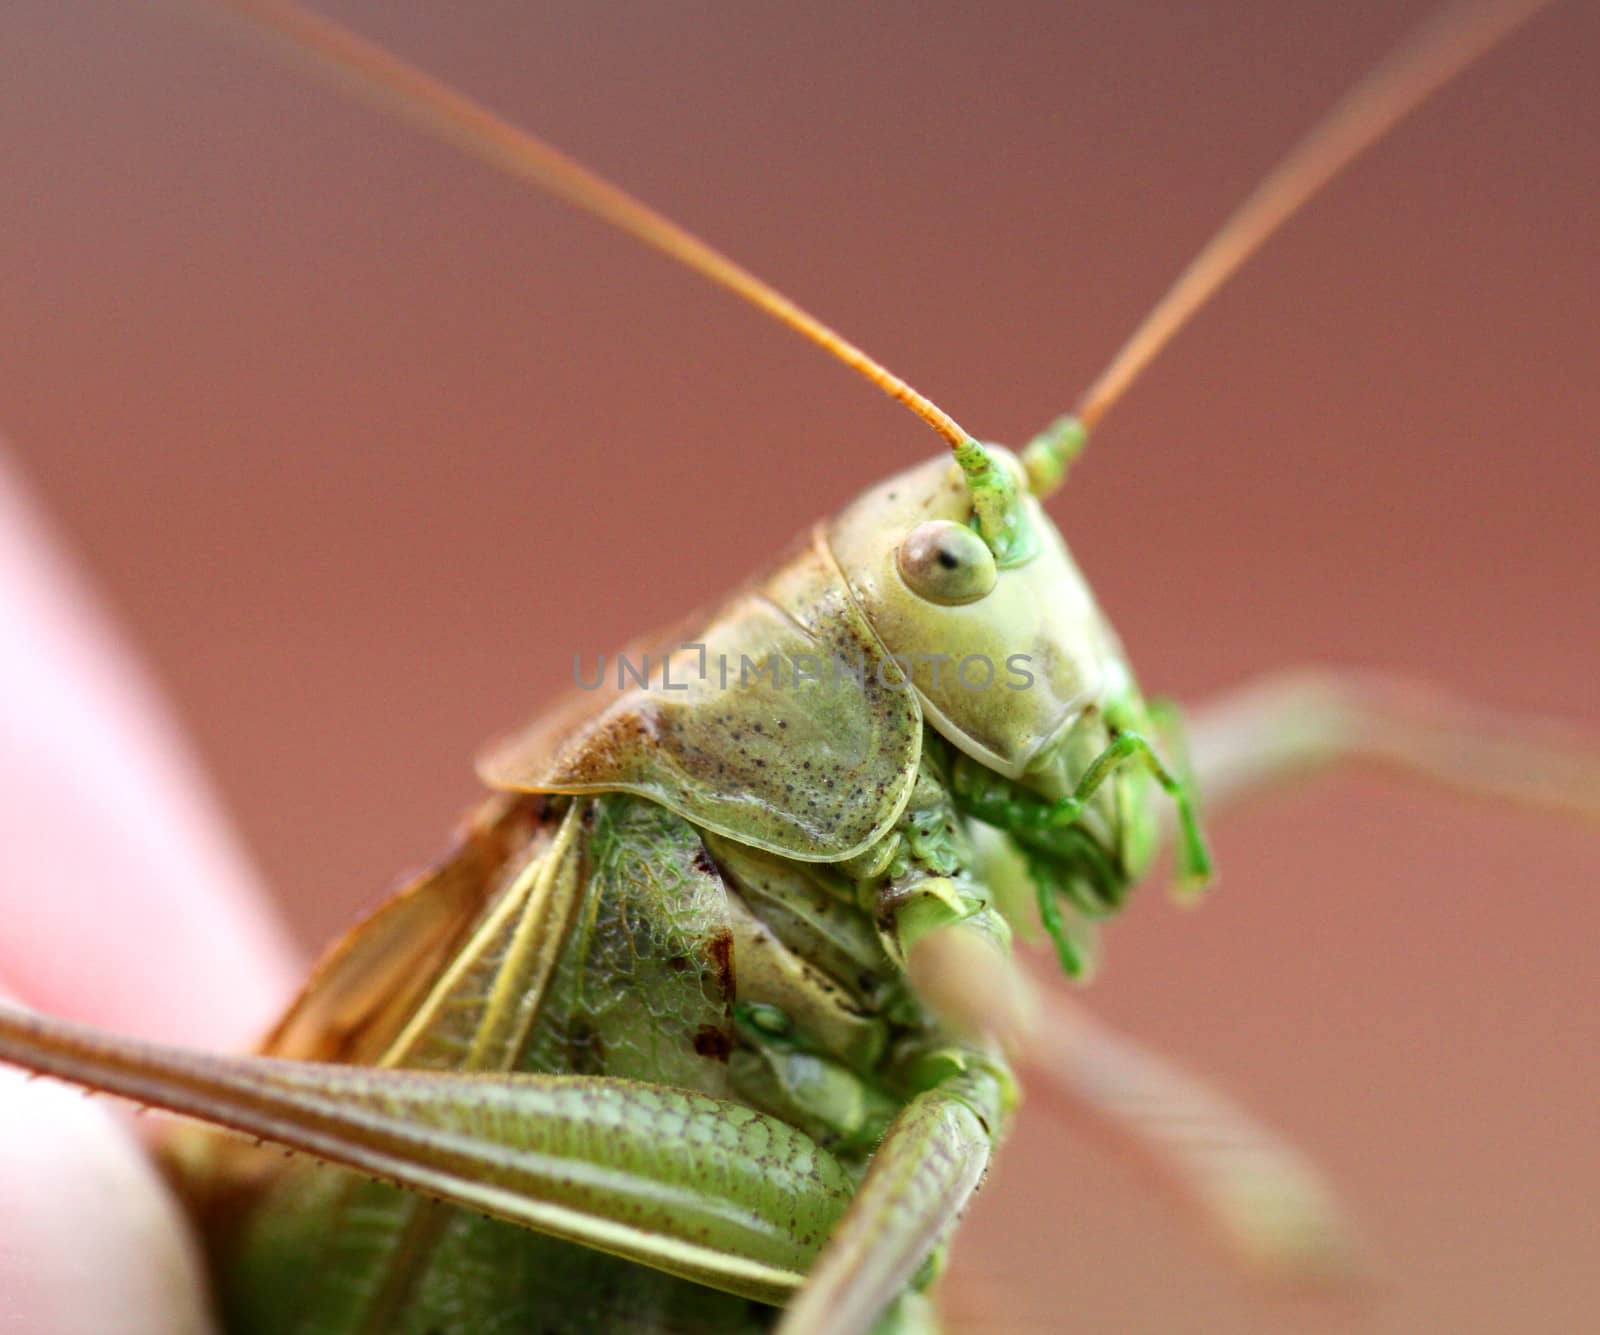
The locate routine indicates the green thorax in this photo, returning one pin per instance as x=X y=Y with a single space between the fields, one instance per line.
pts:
x=633 y=946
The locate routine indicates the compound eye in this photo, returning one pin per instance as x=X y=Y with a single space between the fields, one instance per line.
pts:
x=946 y=562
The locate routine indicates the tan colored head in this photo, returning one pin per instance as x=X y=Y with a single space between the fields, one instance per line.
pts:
x=1004 y=659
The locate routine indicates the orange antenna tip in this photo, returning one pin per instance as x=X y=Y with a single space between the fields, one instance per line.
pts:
x=1437 y=52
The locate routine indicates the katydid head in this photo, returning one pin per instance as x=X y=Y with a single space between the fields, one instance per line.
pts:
x=1008 y=653
x=1004 y=655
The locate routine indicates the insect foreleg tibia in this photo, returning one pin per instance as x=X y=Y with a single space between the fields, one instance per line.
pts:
x=1286 y=726
x=1194 y=859
x=699 y=1187
x=925 y=1170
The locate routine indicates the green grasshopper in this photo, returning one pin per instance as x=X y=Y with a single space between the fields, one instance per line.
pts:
x=709 y=1020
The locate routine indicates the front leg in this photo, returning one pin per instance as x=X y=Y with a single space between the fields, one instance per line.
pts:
x=1257 y=1193
x=920 y=1179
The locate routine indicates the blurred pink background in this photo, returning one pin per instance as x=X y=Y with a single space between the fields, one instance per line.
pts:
x=364 y=444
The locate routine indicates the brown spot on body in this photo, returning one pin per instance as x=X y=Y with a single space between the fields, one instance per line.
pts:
x=720 y=948
x=709 y=1041
x=586 y=1052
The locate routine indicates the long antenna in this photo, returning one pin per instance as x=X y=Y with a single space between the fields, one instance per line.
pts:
x=1435 y=53
x=383 y=80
